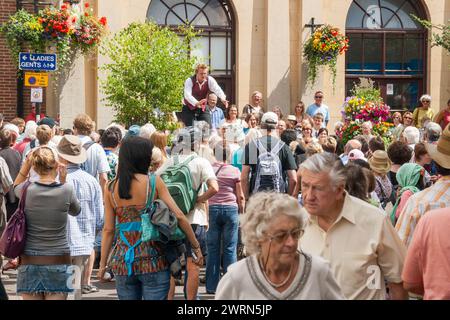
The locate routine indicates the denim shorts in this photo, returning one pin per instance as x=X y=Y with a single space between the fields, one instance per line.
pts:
x=34 y=279
x=148 y=286
x=200 y=234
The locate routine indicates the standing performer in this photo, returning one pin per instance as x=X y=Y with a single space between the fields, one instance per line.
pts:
x=196 y=90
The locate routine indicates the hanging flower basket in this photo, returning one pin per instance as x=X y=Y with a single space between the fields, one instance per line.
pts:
x=67 y=31
x=322 y=49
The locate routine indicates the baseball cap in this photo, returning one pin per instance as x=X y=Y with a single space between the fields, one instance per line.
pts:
x=356 y=154
x=270 y=118
x=48 y=121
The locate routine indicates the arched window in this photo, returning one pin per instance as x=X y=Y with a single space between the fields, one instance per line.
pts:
x=389 y=46
x=215 y=44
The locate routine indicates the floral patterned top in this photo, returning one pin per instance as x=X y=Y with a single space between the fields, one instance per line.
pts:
x=112 y=162
x=130 y=255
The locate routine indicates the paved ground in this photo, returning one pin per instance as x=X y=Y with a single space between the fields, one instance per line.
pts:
x=107 y=290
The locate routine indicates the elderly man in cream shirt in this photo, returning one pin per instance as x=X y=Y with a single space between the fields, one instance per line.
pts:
x=355 y=237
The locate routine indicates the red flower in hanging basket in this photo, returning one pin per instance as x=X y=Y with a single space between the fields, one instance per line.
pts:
x=103 y=21
x=86 y=5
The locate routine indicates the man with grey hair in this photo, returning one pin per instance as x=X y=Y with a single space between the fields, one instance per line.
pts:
x=351 y=145
x=432 y=132
x=356 y=238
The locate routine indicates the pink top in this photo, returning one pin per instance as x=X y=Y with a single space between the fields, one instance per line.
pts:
x=445 y=119
x=428 y=260
x=402 y=203
x=227 y=178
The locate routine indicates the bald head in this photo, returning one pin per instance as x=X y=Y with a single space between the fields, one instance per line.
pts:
x=351 y=145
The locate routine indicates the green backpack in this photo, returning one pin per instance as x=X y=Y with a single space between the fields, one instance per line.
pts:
x=178 y=180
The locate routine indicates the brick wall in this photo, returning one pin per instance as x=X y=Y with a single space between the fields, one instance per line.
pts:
x=8 y=72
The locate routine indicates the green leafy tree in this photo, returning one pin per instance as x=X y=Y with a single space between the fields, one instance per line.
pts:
x=440 y=33
x=145 y=78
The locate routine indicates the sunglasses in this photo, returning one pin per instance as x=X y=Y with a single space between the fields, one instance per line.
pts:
x=318 y=97
x=281 y=237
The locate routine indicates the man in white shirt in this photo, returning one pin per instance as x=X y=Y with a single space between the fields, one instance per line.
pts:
x=196 y=90
x=254 y=107
x=356 y=238
x=202 y=173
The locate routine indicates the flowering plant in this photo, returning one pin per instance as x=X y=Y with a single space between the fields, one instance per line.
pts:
x=366 y=105
x=322 y=49
x=65 y=30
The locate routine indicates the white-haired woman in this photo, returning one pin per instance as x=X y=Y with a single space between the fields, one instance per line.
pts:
x=366 y=129
x=275 y=269
x=29 y=134
x=423 y=111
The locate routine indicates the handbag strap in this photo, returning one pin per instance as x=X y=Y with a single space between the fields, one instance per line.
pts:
x=23 y=198
x=152 y=183
x=220 y=168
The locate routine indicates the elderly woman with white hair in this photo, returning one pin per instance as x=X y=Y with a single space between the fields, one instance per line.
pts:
x=366 y=129
x=29 y=134
x=423 y=111
x=275 y=269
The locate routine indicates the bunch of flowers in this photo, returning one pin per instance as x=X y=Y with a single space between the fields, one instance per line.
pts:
x=350 y=130
x=65 y=30
x=55 y=23
x=374 y=112
x=90 y=30
x=366 y=105
x=323 y=49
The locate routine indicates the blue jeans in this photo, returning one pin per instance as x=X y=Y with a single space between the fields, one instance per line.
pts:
x=148 y=286
x=223 y=225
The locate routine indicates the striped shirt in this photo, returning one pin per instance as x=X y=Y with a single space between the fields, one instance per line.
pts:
x=217 y=117
x=81 y=229
x=435 y=197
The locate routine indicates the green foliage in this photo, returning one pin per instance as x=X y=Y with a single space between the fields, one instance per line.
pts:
x=366 y=90
x=146 y=75
x=20 y=28
x=441 y=38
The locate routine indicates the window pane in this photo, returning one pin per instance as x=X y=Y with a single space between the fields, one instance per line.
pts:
x=413 y=54
x=200 y=20
x=192 y=12
x=354 y=54
x=372 y=53
x=180 y=11
x=394 y=49
x=354 y=17
x=200 y=49
x=390 y=20
x=172 y=19
x=216 y=14
x=218 y=53
x=157 y=12
x=230 y=67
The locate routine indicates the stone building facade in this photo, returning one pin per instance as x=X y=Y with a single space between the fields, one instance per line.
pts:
x=257 y=45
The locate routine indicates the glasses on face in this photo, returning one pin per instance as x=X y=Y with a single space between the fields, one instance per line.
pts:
x=281 y=237
x=318 y=97
x=307 y=129
x=426 y=101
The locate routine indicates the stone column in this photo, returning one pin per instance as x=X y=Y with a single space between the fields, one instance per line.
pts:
x=278 y=72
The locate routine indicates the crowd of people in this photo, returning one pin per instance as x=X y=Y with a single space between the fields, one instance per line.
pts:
x=274 y=206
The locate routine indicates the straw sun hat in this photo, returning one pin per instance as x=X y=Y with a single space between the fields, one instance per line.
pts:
x=380 y=162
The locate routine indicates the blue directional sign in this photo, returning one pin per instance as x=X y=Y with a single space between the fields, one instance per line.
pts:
x=37 y=61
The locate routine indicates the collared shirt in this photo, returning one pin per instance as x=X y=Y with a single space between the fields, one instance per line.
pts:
x=96 y=162
x=435 y=197
x=217 y=117
x=323 y=109
x=362 y=248
x=81 y=229
x=213 y=87
x=427 y=263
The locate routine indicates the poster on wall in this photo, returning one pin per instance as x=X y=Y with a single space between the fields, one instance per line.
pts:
x=390 y=89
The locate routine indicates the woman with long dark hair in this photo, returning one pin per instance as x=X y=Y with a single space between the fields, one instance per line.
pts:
x=141 y=267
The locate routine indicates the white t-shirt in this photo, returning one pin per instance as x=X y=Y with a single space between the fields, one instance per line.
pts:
x=201 y=172
x=96 y=158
